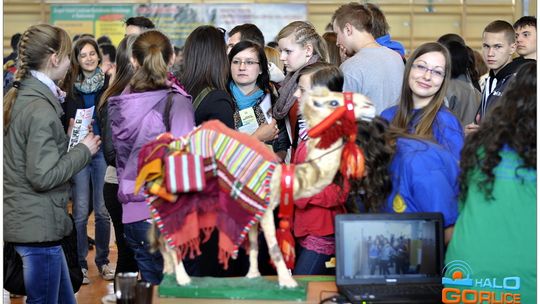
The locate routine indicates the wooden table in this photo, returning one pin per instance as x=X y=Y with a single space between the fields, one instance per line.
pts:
x=315 y=293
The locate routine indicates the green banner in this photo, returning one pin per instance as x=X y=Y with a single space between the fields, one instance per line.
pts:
x=92 y=19
x=177 y=21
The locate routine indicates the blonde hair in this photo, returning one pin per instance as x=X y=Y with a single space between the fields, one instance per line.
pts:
x=152 y=50
x=304 y=33
x=273 y=56
x=36 y=46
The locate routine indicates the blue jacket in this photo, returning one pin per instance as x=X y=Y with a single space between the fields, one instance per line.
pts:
x=424 y=179
x=391 y=44
x=447 y=130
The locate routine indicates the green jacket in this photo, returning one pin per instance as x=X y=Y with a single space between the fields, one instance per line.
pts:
x=37 y=167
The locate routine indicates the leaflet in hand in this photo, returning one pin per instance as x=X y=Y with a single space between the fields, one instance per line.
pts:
x=83 y=119
x=266 y=107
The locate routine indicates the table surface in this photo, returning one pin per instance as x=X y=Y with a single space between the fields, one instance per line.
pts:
x=316 y=291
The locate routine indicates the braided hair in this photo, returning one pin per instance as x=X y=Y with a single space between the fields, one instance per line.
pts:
x=36 y=46
x=304 y=33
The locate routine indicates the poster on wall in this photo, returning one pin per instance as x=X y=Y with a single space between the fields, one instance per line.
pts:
x=92 y=19
x=177 y=21
x=270 y=18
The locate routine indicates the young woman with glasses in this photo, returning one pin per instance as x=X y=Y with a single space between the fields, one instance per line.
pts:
x=421 y=110
x=250 y=88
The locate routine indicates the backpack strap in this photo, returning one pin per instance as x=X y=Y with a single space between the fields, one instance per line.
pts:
x=167 y=112
x=202 y=95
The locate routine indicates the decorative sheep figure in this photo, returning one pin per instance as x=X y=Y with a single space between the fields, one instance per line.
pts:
x=215 y=177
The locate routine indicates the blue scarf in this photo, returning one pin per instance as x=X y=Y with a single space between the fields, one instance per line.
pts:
x=242 y=101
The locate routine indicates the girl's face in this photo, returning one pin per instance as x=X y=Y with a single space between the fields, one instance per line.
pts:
x=293 y=55
x=426 y=77
x=88 y=58
x=61 y=70
x=245 y=67
x=304 y=86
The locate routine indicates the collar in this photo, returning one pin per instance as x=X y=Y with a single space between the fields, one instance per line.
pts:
x=508 y=69
x=58 y=93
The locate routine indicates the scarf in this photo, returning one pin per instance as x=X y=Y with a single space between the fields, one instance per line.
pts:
x=91 y=84
x=245 y=101
x=288 y=86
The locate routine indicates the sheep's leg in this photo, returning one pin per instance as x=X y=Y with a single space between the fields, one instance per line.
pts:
x=167 y=253
x=182 y=278
x=284 y=275
x=253 y=253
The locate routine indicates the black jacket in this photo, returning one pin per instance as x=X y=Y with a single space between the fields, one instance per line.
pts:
x=106 y=136
x=495 y=86
x=216 y=105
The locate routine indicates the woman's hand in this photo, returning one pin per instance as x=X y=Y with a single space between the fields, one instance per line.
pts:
x=92 y=142
x=471 y=128
x=266 y=132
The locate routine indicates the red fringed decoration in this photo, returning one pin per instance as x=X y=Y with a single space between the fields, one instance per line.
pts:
x=329 y=121
x=284 y=235
x=352 y=161
x=334 y=132
x=352 y=157
x=340 y=123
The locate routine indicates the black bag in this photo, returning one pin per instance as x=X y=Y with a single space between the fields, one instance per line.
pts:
x=13 y=265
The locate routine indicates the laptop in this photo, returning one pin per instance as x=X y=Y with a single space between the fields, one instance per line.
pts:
x=390 y=258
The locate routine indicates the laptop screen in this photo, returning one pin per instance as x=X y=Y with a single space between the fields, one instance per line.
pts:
x=389 y=248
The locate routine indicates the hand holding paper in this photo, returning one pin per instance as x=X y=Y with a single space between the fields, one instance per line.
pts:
x=79 y=130
x=266 y=132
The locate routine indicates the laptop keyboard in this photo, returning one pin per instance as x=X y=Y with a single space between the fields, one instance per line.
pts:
x=370 y=292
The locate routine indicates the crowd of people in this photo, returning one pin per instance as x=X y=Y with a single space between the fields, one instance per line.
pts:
x=449 y=138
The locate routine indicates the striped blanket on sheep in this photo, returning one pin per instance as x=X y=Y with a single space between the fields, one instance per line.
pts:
x=237 y=169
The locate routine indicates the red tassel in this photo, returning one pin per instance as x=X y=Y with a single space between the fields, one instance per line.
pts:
x=352 y=161
x=284 y=235
x=285 y=241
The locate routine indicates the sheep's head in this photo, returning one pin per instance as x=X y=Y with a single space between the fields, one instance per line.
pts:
x=320 y=103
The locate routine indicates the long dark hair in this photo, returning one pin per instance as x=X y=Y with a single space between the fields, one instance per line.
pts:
x=378 y=148
x=205 y=60
x=511 y=123
x=263 y=80
x=75 y=68
x=124 y=70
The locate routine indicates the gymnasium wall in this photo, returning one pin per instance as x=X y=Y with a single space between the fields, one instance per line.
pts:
x=411 y=22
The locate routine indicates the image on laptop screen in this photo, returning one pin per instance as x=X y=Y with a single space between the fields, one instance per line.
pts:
x=381 y=249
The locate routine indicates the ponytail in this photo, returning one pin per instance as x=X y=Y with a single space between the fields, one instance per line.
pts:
x=152 y=50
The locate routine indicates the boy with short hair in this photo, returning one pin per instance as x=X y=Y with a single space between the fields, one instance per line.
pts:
x=525 y=29
x=371 y=64
x=498 y=46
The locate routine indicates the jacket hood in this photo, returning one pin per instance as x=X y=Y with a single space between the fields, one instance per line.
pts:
x=128 y=109
x=509 y=69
